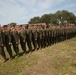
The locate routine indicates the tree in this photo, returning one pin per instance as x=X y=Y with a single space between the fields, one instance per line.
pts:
x=53 y=19
x=59 y=18
x=34 y=20
x=64 y=15
x=46 y=18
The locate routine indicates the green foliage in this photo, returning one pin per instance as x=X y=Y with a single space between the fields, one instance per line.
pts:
x=65 y=16
x=60 y=17
x=53 y=19
x=34 y=20
x=46 y=18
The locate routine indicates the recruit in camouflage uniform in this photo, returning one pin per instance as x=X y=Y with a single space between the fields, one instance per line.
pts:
x=15 y=40
x=50 y=36
x=47 y=37
x=40 y=38
x=7 y=41
x=2 y=52
x=22 y=36
x=44 y=39
x=35 y=39
x=29 y=39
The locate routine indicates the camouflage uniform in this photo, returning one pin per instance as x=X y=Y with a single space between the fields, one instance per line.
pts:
x=7 y=42
x=47 y=37
x=57 y=36
x=29 y=39
x=40 y=38
x=44 y=39
x=2 y=52
x=64 y=35
x=22 y=36
x=35 y=38
x=61 y=34
x=50 y=36
x=15 y=41
x=67 y=32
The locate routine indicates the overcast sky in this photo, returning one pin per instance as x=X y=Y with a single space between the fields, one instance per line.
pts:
x=20 y=11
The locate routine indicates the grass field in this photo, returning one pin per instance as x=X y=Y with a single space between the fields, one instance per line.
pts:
x=58 y=59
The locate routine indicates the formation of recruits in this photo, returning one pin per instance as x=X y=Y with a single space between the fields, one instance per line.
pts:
x=38 y=38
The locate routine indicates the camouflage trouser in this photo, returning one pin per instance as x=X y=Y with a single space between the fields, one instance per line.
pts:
x=57 y=38
x=23 y=45
x=44 y=42
x=2 y=53
x=9 y=50
x=52 y=40
x=41 y=43
x=49 y=40
x=16 y=49
x=29 y=45
x=35 y=44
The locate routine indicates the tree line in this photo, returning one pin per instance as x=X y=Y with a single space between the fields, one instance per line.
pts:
x=62 y=17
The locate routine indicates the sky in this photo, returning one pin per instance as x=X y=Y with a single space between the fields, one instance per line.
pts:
x=21 y=11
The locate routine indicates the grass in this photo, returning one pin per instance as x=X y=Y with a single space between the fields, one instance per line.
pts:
x=58 y=59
